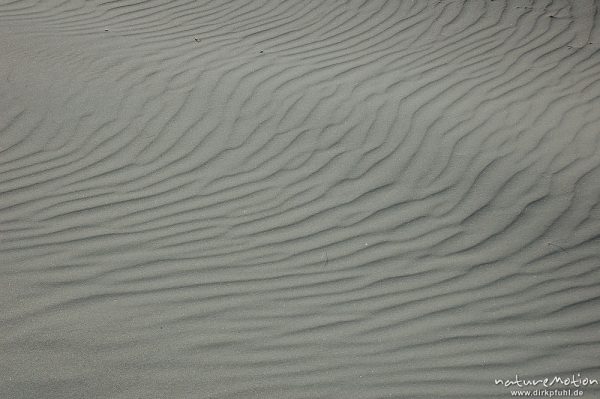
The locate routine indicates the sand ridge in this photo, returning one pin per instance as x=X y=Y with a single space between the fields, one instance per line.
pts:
x=293 y=199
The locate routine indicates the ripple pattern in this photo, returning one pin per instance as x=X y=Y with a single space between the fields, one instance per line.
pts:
x=297 y=198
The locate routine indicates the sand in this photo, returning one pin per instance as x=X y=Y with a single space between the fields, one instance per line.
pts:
x=297 y=198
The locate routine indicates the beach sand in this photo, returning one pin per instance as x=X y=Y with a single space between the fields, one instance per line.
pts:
x=298 y=198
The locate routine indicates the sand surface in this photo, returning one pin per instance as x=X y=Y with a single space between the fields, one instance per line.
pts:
x=297 y=198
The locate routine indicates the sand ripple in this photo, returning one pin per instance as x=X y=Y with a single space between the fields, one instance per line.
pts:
x=297 y=199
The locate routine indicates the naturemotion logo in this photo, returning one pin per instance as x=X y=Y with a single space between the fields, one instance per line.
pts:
x=547 y=382
x=570 y=386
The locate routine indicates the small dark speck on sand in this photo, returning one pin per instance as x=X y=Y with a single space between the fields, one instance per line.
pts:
x=261 y=51
x=105 y=30
x=196 y=40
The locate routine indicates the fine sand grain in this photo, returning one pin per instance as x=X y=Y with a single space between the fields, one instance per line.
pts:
x=297 y=198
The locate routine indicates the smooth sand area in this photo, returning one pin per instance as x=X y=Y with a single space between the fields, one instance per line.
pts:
x=297 y=199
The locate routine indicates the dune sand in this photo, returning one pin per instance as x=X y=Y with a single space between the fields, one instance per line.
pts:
x=297 y=198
